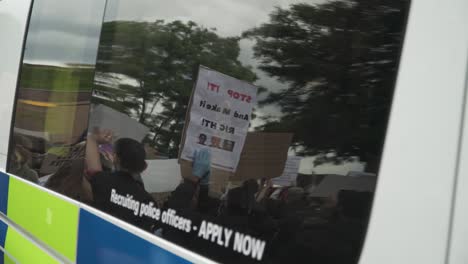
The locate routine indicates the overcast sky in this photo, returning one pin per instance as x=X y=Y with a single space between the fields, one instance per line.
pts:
x=229 y=17
x=68 y=31
x=64 y=32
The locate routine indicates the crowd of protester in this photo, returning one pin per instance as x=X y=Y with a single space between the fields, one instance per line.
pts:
x=297 y=228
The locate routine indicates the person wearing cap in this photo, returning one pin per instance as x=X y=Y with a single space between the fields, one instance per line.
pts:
x=117 y=192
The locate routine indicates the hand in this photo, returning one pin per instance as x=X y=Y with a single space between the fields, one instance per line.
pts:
x=268 y=184
x=24 y=155
x=202 y=165
x=109 y=156
x=103 y=136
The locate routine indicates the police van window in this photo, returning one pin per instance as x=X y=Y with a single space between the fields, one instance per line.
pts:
x=245 y=131
x=53 y=97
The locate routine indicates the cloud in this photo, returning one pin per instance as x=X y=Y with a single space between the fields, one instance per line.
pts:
x=68 y=31
x=64 y=31
x=230 y=18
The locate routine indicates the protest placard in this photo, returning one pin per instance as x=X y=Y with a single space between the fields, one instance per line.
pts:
x=121 y=125
x=57 y=156
x=263 y=157
x=161 y=175
x=290 y=172
x=219 y=117
x=332 y=184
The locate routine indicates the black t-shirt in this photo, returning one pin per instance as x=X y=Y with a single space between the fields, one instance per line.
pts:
x=119 y=195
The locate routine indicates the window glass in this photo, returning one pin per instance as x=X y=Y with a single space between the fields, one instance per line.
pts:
x=53 y=97
x=246 y=131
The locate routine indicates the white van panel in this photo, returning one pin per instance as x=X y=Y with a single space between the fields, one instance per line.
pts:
x=458 y=253
x=13 y=20
x=411 y=212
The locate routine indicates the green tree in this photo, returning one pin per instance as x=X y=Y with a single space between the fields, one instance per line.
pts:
x=340 y=61
x=162 y=58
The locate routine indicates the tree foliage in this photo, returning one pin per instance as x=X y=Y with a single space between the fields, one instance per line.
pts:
x=340 y=61
x=161 y=58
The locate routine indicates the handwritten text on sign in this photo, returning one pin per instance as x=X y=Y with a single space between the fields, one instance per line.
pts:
x=219 y=118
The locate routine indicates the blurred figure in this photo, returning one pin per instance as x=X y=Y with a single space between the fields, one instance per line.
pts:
x=201 y=172
x=69 y=180
x=189 y=199
x=201 y=169
x=104 y=138
x=266 y=186
x=124 y=182
x=239 y=201
x=184 y=199
x=20 y=160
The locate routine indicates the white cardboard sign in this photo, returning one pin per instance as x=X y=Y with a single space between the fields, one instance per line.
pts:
x=162 y=175
x=120 y=124
x=220 y=114
x=291 y=169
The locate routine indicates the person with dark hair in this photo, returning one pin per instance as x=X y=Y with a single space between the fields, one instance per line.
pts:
x=105 y=147
x=120 y=193
x=130 y=156
x=184 y=201
x=241 y=200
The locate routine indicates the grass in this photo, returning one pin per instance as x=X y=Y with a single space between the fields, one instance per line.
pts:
x=52 y=78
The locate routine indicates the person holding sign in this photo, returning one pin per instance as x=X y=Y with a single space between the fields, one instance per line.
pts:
x=119 y=193
x=202 y=166
x=219 y=117
x=20 y=160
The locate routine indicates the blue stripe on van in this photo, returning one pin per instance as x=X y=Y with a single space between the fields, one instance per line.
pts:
x=100 y=241
x=3 y=232
x=4 y=183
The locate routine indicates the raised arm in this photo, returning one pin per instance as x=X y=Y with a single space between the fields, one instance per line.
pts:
x=93 y=159
x=201 y=167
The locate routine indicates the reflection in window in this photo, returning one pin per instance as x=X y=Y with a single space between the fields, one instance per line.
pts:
x=325 y=74
x=54 y=95
x=171 y=98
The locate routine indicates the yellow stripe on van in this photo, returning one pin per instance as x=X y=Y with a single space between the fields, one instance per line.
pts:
x=47 y=217
x=24 y=251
